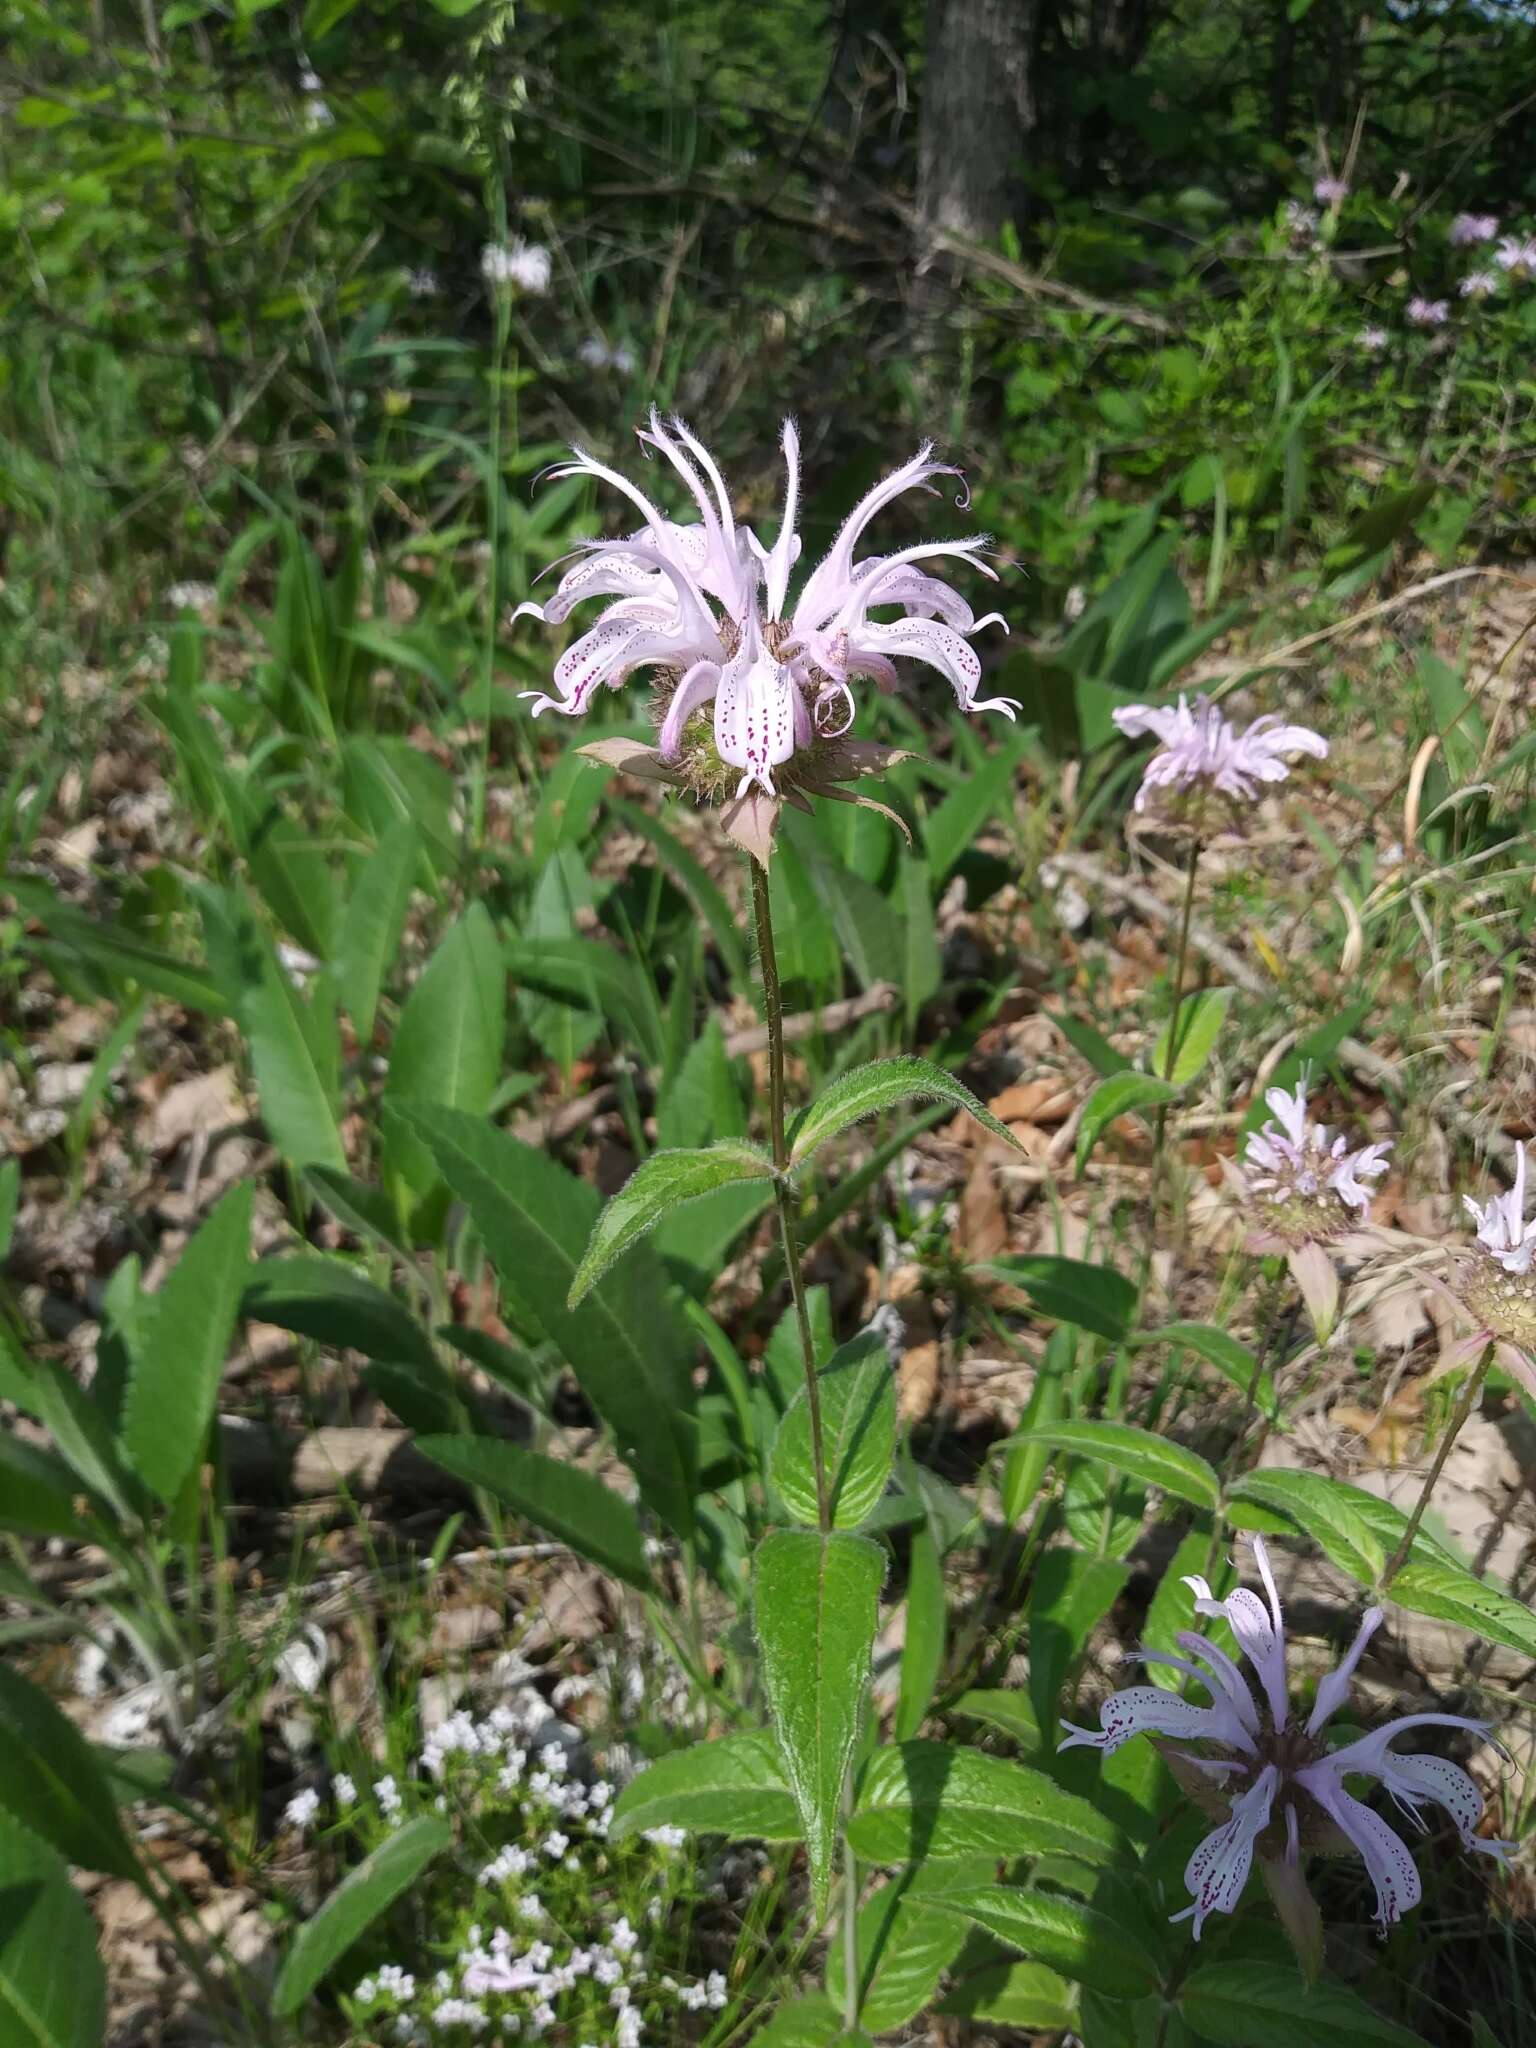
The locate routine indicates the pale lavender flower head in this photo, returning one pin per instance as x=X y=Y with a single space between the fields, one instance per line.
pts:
x=1494 y=1287
x=1424 y=312
x=1330 y=191
x=706 y=607
x=1301 y=221
x=1199 y=746
x=1517 y=254
x=1374 y=339
x=1275 y=1785
x=1468 y=229
x=1501 y=1226
x=1478 y=284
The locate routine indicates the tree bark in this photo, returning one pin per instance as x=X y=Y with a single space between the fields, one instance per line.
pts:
x=978 y=110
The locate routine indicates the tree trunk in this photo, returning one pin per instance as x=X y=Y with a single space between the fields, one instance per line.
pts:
x=977 y=111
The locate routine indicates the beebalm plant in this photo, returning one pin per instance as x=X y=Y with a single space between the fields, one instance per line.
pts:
x=981 y=1857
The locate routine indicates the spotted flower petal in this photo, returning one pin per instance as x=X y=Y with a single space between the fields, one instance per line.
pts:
x=1218 y=1870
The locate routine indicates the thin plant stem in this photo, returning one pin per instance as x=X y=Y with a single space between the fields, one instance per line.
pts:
x=1468 y=1401
x=773 y=1007
x=851 y=1985
x=1181 y=961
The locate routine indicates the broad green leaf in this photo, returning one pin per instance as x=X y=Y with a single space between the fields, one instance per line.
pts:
x=1154 y=1460
x=292 y=1081
x=336 y=1305
x=1447 y=1593
x=809 y=2022
x=1093 y=1298
x=1230 y=1356
x=10 y=1194
x=629 y=1350
x=1093 y=1045
x=1103 y=1509
x=922 y=1649
x=83 y=1436
x=569 y=1503
x=691 y=876
x=1080 y=1943
x=1023 y=1995
x=939 y=1800
x=37 y=1491
x=365 y=1210
x=1200 y=1019
x=815 y=1602
x=733 y=1785
x=1357 y=1531
x=704 y=1101
x=951 y=827
x=447 y=1044
x=1070 y=1596
x=657 y=1186
x=1024 y=1467
x=858 y=1435
x=1007 y=1711
x=51 y=1782
x=1118 y=1096
x=904 y=1948
x=173 y=1388
x=362 y=1895
x=1255 y=2005
x=53 y=1989
x=370 y=931
x=116 y=951
x=869 y=1089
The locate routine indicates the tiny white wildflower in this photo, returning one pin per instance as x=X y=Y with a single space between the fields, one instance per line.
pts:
x=302 y=1808
x=344 y=1789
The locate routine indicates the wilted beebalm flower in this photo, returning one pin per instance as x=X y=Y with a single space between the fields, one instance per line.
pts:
x=1301 y=221
x=706 y=608
x=524 y=264
x=1310 y=1192
x=1467 y=229
x=1199 y=746
x=1517 y=254
x=1495 y=1286
x=1274 y=1784
x=1330 y=191
x=1429 y=312
x=1477 y=284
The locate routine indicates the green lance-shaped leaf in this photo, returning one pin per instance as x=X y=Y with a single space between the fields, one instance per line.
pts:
x=868 y=1090
x=809 y=2022
x=570 y=1504
x=1257 y=2005
x=1447 y=1593
x=904 y=1948
x=627 y=1346
x=37 y=1491
x=1088 y=1946
x=1023 y=1995
x=1152 y=1459
x=362 y=1895
x=937 y=1800
x=447 y=1044
x=174 y=1387
x=858 y=1434
x=1118 y=1096
x=51 y=1782
x=1233 y=1359
x=815 y=1602
x=922 y=1650
x=370 y=931
x=657 y=1186
x=1355 y=1530
x=732 y=1786
x=53 y=1989
x=1200 y=1019
x=1093 y=1298
x=336 y=1305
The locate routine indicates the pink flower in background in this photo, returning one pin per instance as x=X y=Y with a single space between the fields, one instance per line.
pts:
x=706 y=605
x=1273 y=1783
x=1468 y=229
x=1200 y=745
x=1477 y=284
x=1330 y=191
x=1429 y=312
x=1517 y=254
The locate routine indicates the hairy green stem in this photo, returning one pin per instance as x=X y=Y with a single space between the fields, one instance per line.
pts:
x=773 y=1007
x=851 y=1984
x=1469 y=1397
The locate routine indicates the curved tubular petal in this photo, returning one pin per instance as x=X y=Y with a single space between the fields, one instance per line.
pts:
x=755 y=711
x=1391 y=1868
x=1153 y=1710
x=830 y=577
x=583 y=464
x=1333 y=1690
x=781 y=556
x=1218 y=1870
x=929 y=641
x=697 y=686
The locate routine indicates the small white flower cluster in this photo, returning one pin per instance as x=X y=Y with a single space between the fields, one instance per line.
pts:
x=191 y=597
x=598 y=355
x=526 y=266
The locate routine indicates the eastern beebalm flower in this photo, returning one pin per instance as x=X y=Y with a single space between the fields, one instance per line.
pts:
x=1273 y=1782
x=755 y=692
x=1517 y=253
x=1478 y=284
x=1468 y=229
x=1494 y=1286
x=1424 y=312
x=1311 y=1190
x=1330 y=191
x=1373 y=339
x=527 y=265
x=1200 y=746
